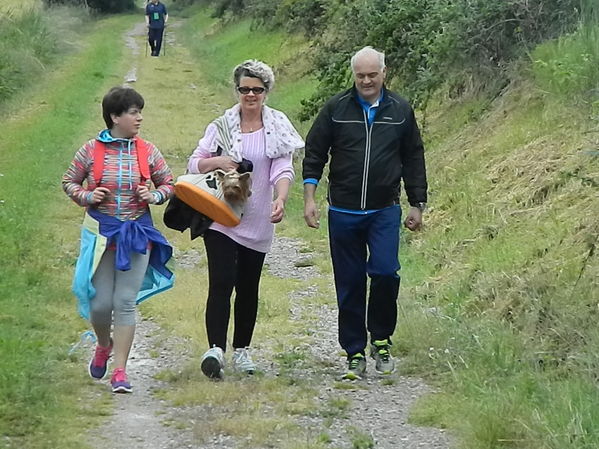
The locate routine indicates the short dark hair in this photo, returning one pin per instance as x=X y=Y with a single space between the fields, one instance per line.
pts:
x=118 y=100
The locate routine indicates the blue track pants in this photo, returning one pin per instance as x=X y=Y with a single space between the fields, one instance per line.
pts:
x=361 y=246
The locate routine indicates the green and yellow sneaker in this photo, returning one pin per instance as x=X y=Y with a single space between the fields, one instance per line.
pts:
x=356 y=367
x=379 y=351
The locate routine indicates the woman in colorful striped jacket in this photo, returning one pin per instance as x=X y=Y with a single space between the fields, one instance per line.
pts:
x=123 y=257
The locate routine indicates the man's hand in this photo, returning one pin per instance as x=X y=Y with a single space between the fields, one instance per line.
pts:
x=311 y=214
x=414 y=219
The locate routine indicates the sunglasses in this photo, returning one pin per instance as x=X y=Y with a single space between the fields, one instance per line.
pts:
x=244 y=90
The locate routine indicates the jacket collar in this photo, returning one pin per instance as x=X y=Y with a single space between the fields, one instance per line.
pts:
x=356 y=96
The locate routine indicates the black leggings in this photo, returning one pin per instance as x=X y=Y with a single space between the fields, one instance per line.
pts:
x=231 y=265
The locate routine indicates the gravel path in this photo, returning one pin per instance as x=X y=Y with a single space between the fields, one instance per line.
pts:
x=379 y=408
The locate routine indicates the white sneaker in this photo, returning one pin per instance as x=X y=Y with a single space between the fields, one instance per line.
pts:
x=242 y=362
x=213 y=363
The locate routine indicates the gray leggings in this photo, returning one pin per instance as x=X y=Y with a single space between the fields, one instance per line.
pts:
x=116 y=291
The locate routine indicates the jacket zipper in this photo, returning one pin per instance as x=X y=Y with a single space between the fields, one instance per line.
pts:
x=366 y=161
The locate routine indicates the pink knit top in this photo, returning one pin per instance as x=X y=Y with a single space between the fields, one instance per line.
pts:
x=255 y=230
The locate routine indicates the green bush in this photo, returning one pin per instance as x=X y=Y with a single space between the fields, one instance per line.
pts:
x=304 y=16
x=236 y=7
x=64 y=2
x=569 y=65
x=447 y=43
x=106 y=6
x=111 y=6
x=458 y=45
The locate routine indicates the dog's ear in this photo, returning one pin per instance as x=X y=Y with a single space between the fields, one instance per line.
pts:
x=245 y=181
x=220 y=174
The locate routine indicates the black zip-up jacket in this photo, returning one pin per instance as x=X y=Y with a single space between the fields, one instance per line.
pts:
x=367 y=162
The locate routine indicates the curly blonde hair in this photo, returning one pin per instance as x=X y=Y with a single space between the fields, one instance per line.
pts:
x=255 y=69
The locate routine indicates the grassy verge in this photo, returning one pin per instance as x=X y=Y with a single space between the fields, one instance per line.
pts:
x=504 y=287
x=501 y=298
x=39 y=392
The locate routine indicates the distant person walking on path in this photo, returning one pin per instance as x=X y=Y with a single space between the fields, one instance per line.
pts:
x=372 y=139
x=252 y=131
x=123 y=257
x=156 y=19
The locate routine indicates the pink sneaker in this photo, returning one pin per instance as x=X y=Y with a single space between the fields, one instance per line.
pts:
x=119 y=381
x=99 y=362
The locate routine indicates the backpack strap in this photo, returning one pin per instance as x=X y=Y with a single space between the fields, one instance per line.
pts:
x=99 y=152
x=143 y=154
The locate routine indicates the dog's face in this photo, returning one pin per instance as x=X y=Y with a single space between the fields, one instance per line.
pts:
x=235 y=186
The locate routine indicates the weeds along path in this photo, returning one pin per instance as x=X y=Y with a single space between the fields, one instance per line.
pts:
x=296 y=401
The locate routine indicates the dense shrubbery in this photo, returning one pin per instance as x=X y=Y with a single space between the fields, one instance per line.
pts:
x=459 y=45
x=98 y=5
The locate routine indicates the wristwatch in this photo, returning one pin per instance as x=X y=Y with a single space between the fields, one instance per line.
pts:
x=421 y=206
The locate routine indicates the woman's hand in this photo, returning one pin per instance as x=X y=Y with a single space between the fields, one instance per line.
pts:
x=144 y=194
x=98 y=195
x=227 y=164
x=277 y=210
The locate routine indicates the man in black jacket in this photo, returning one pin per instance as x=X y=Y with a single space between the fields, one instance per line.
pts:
x=372 y=139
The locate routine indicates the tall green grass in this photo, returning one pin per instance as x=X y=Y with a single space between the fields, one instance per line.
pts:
x=15 y=6
x=500 y=303
x=32 y=40
x=569 y=65
x=39 y=392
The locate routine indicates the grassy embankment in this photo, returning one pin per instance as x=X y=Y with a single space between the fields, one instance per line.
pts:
x=41 y=400
x=502 y=286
